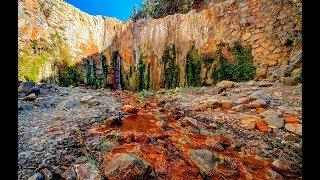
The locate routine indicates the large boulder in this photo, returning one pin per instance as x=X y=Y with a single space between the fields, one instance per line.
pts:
x=128 y=166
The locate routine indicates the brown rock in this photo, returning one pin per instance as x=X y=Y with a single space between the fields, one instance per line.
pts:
x=261 y=126
x=204 y=160
x=289 y=81
x=88 y=171
x=249 y=122
x=261 y=73
x=129 y=109
x=294 y=128
x=286 y=167
x=128 y=166
x=291 y=120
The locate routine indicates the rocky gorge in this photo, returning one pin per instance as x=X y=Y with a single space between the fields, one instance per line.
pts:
x=214 y=93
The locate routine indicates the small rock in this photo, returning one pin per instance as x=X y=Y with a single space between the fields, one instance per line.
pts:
x=30 y=97
x=47 y=174
x=214 y=144
x=225 y=84
x=34 y=90
x=260 y=95
x=129 y=109
x=88 y=171
x=38 y=101
x=294 y=128
x=239 y=108
x=286 y=167
x=249 y=122
x=291 y=120
x=93 y=102
x=25 y=87
x=258 y=143
x=259 y=103
x=23 y=106
x=67 y=104
x=212 y=126
x=187 y=121
x=289 y=81
x=128 y=166
x=261 y=73
x=261 y=126
x=273 y=121
x=204 y=159
x=37 y=176
x=86 y=99
x=69 y=174
x=226 y=105
x=113 y=120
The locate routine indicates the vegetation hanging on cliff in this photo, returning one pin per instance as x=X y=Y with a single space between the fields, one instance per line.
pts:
x=193 y=67
x=171 y=69
x=242 y=69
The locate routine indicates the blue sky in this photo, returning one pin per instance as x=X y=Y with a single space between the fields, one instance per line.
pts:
x=120 y=9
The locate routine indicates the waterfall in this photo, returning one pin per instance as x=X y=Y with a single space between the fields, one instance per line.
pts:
x=117 y=74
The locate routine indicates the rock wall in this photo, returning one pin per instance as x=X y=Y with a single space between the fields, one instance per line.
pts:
x=270 y=28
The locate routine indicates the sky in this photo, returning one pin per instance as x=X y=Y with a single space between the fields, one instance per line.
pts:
x=120 y=9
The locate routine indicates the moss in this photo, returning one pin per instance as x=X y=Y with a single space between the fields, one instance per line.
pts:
x=143 y=76
x=171 y=69
x=242 y=69
x=193 y=67
x=298 y=79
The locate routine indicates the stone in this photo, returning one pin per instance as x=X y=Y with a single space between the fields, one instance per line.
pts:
x=260 y=95
x=225 y=84
x=38 y=101
x=204 y=160
x=86 y=99
x=93 y=102
x=261 y=126
x=69 y=174
x=212 y=125
x=34 y=90
x=188 y=121
x=128 y=166
x=258 y=103
x=88 y=171
x=286 y=167
x=67 y=104
x=112 y=120
x=261 y=73
x=226 y=105
x=211 y=143
x=24 y=106
x=47 y=174
x=258 y=143
x=129 y=109
x=274 y=121
x=37 y=176
x=291 y=120
x=30 y=97
x=294 y=128
x=274 y=175
x=239 y=108
x=249 y=122
x=296 y=72
x=289 y=81
x=25 y=87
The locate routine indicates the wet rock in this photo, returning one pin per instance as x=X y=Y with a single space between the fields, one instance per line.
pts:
x=30 y=97
x=128 y=166
x=69 y=174
x=129 y=109
x=67 y=104
x=204 y=160
x=25 y=87
x=88 y=172
x=274 y=121
x=286 y=167
x=37 y=176
x=294 y=128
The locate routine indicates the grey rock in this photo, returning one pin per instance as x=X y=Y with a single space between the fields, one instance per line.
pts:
x=25 y=87
x=67 y=104
x=37 y=176
x=69 y=174
x=30 y=97
x=260 y=95
x=204 y=159
x=274 y=121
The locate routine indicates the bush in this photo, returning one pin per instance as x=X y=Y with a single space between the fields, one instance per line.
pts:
x=242 y=69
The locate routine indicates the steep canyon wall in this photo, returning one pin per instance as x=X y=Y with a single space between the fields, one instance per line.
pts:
x=269 y=28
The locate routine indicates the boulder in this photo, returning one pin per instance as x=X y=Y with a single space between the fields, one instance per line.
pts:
x=88 y=171
x=112 y=120
x=128 y=166
x=129 y=109
x=225 y=84
x=274 y=121
x=249 y=122
x=204 y=160
x=260 y=95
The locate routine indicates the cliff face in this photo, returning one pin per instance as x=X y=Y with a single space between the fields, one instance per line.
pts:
x=269 y=28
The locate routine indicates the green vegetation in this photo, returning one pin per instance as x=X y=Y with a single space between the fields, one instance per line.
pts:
x=193 y=67
x=161 y=8
x=91 y=159
x=143 y=76
x=93 y=79
x=298 y=79
x=171 y=69
x=242 y=69
x=107 y=146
